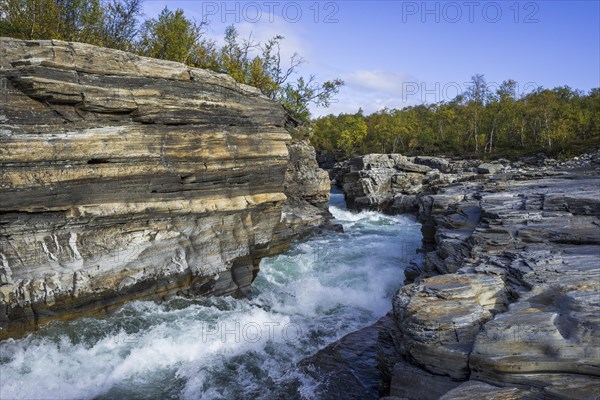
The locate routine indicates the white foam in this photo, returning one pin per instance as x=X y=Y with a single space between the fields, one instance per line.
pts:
x=319 y=291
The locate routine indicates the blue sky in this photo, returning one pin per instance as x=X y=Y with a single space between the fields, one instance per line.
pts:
x=400 y=53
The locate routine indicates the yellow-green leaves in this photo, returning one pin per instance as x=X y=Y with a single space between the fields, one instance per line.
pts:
x=171 y=36
x=354 y=131
x=481 y=123
x=102 y=23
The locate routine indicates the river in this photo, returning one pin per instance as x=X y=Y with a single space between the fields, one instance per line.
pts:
x=220 y=347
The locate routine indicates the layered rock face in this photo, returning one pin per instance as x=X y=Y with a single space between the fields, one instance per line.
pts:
x=390 y=182
x=507 y=300
x=306 y=209
x=124 y=177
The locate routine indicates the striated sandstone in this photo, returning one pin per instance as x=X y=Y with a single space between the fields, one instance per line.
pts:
x=440 y=317
x=124 y=177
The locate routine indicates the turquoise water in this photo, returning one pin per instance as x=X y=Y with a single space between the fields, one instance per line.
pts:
x=224 y=348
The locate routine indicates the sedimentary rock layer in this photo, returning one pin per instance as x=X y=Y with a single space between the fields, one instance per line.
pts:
x=391 y=182
x=125 y=177
x=507 y=298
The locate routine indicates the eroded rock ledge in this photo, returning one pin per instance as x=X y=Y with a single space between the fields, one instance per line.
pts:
x=508 y=297
x=124 y=177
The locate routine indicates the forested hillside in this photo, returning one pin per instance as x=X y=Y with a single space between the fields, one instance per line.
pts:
x=482 y=123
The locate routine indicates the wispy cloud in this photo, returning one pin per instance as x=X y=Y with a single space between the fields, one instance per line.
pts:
x=351 y=98
x=371 y=90
x=381 y=81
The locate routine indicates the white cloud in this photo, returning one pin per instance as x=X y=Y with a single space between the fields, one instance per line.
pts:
x=372 y=91
x=351 y=98
x=382 y=81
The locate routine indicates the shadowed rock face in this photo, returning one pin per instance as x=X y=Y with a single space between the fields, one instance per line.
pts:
x=508 y=295
x=124 y=177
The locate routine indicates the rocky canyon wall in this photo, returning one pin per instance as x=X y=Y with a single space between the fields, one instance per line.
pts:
x=124 y=177
x=505 y=304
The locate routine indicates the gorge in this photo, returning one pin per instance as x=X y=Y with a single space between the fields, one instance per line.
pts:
x=139 y=199
x=221 y=347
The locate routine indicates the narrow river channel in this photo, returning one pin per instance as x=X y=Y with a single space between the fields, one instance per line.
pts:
x=225 y=348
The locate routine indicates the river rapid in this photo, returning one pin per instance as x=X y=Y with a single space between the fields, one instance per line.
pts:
x=221 y=347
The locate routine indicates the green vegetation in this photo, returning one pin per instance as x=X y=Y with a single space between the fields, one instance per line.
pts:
x=479 y=123
x=110 y=23
x=170 y=36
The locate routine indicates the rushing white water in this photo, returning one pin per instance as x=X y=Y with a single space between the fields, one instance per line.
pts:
x=224 y=348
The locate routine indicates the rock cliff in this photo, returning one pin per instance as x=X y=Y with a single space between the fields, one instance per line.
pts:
x=507 y=297
x=124 y=177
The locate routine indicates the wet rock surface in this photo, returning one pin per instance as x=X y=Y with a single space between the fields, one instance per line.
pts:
x=348 y=367
x=507 y=299
x=124 y=177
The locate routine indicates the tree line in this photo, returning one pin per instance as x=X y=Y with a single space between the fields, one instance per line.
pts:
x=119 y=24
x=480 y=123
